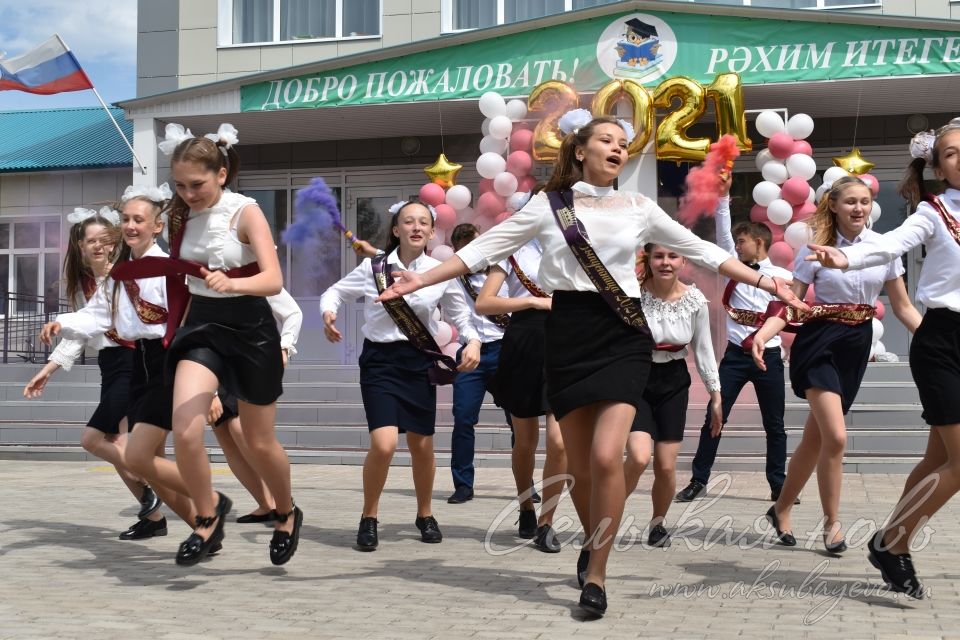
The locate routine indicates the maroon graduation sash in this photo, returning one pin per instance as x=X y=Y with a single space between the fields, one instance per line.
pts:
x=666 y=346
x=953 y=227
x=525 y=280
x=626 y=308
x=89 y=285
x=500 y=319
x=444 y=368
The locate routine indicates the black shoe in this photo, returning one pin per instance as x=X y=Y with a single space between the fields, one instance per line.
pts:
x=836 y=548
x=195 y=548
x=895 y=568
x=429 y=529
x=775 y=495
x=215 y=549
x=582 y=563
x=659 y=537
x=461 y=495
x=149 y=502
x=783 y=537
x=546 y=539
x=283 y=545
x=269 y=516
x=367 y=538
x=528 y=524
x=593 y=600
x=145 y=529
x=691 y=492
x=534 y=496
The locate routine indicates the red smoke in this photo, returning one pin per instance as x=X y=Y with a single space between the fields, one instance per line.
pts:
x=703 y=182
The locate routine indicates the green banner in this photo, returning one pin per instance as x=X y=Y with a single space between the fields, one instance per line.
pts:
x=646 y=47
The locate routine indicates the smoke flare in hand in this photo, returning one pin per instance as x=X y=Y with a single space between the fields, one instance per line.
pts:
x=317 y=211
x=703 y=182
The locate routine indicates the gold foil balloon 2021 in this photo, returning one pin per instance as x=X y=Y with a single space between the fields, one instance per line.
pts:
x=556 y=98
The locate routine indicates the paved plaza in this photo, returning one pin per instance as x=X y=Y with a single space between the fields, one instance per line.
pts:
x=64 y=573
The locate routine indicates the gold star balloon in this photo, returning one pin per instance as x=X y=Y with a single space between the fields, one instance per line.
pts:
x=854 y=163
x=443 y=172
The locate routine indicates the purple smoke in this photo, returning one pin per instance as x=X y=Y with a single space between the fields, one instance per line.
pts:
x=316 y=213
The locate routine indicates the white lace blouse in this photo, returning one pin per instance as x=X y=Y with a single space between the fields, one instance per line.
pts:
x=685 y=321
x=68 y=350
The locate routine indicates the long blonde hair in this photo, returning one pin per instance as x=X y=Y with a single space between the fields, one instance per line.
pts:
x=824 y=220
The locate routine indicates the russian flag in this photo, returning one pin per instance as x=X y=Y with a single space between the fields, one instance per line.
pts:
x=47 y=69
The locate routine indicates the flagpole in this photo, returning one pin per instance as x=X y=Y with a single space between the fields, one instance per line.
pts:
x=143 y=169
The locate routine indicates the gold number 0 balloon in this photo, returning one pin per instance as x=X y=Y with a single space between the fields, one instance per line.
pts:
x=672 y=140
x=558 y=98
x=605 y=101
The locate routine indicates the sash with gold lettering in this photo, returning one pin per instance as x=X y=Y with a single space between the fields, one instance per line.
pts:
x=525 y=280
x=444 y=368
x=500 y=319
x=953 y=227
x=89 y=285
x=628 y=309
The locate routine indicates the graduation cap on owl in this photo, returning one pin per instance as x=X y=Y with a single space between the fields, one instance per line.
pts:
x=641 y=29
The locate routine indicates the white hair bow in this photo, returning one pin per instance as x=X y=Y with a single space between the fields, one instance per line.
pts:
x=921 y=145
x=175 y=133
x=227 y=133
x=158 y=194
x=395 y=207
x=80 y=214
x=574 y=120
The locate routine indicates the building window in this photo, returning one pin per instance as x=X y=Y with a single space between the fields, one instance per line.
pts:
x=30 y=261
x=274 y=21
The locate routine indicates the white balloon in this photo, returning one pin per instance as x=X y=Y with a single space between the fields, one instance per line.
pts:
x=800 y=165
x=774 y=171
x=500 y=127
x=800 y=126
x=516 y=110
x=492 y=104
x=465 y=215
x=874 y=212
x=877 y=329
x=779 y=211
x=822 y=189
x=505 y=184
x=879 y=347
x=490 y=164
x=485 y=127
x=438 y=239
x=765 y=192
x=444 y=333
x=436 y=315
x=768 y=123
x=442 y=252
x=458 y=197
x=516 y=201
x=492 y=144
x=812 y=196
x=797 y=234
x=833 y=174
x=763 y=157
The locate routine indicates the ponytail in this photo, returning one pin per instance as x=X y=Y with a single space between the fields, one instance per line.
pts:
x=912 y=188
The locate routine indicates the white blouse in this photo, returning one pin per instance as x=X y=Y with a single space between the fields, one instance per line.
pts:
x=528 y=257
x=210 y=238
x=685 y=321
x=617 y=223
x=378 y=325
x=855 y=287
x=486 y=328
x=288 y=315
x=96 y=317
x=939 y=284
x=67 y=351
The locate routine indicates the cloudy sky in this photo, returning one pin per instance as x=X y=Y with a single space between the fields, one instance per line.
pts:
x=101 y=33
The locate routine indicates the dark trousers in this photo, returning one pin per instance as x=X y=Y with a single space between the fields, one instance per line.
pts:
x=736 y=370
x=468 y=393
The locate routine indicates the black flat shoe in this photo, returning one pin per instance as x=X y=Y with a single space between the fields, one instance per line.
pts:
x=250 y=518
x=691 y=492
x=367 y=538
x=775 y=495
x=659 y=537
x=283 y=545
x=527 y=528
x=895 y=568
x=429 y=529
x=784 y=538
x=593 y=600
x=836 y=548
x=582 y=563
x=145 y=529
x=460 y=495
x=195 y=548
x=149 y=502
x=546 y=539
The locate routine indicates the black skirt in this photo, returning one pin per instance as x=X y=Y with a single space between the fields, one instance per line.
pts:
x=151 y=398
x=519 y=385
x=237 y=339
x=396 y=389
x=116 y=368
x=662 y=411
x=830 y=356
x=592 y=355
x=231 y=409
x=935 y=365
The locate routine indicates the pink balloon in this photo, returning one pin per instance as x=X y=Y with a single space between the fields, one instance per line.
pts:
x=456 y=335
x=451 y=349
x=787 y=339
x=501 y=217
x=519 y=163
x=776 y=230
x=486 y=186
x=802 y=147
x=521 y=140
x=810 y=295
x=781 y=254
x=795 y=190
x=432 y=194
x=881 y=310
x=446 y=217
x=490 y=204
x=780 y=145
x=758 y=214
x=871 y=181
x=526 y=184
x=803 y=211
